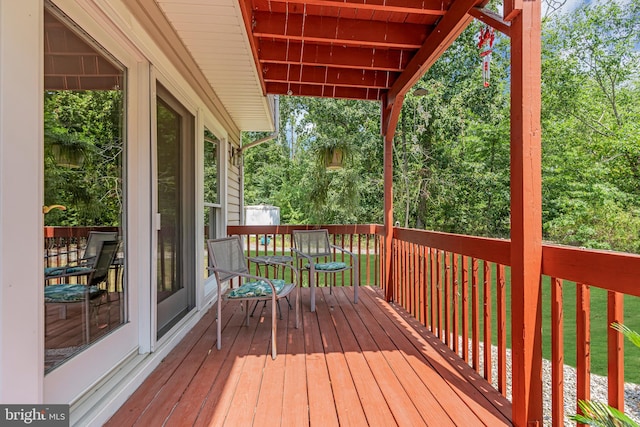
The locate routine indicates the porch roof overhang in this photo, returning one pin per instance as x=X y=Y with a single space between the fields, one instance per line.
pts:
x=373 y=50
x=207 y=42
x=356 y=49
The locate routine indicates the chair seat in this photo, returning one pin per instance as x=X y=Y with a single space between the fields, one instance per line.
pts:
x=330 y=266
x=259 y=288
x=70 y=293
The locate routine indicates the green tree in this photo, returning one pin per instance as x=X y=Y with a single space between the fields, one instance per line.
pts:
x=90 y=121
x=591 y=144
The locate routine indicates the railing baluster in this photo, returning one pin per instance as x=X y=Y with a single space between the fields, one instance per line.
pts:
x=415 y=311
x=615 y=350
x=423 y=285
x=394 y=266
x=465 y=308
x=501 y=304
x=432 y=286
x=402 y=273
x=486 y=297
x=557 y=353
x=475 y=327
x=407 y=276
x=447 y=299
x=456 y=299
x=583 y=344
x=439 y=292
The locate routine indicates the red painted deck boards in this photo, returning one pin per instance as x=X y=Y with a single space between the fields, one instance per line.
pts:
x=347 y=364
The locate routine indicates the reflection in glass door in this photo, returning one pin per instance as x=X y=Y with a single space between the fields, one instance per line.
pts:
x=175 y=189
x=85 y=189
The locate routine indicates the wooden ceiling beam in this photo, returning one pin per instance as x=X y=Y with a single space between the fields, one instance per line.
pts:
x=315 y=75
x=326 y=91
x=348 y=32
x=443 y=35
x=414 y=7
x=492 y=19
x=335 y=56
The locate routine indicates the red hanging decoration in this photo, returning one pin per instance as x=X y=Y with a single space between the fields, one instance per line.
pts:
x=485 y=44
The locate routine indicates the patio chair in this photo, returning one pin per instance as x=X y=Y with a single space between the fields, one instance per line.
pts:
x=86 y=261
x=227 y=261
x=90 y=293
x=313 y=246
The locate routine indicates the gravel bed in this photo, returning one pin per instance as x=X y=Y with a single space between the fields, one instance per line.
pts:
x=598 y=387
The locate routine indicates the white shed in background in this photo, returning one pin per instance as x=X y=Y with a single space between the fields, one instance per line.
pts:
x=262 y=215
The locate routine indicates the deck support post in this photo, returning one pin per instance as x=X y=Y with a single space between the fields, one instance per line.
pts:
x=526 y=215
x=389 y=121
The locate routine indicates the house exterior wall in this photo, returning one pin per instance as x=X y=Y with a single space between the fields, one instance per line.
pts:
x=130 y=353
x=234 y=201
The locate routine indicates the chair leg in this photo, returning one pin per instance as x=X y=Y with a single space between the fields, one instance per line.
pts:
x=219 y=324
x=87 y=320
x=246 y=309
x=298 y=304
x=274 y=325
x=356 y=285
x=256 y=306
x=312 y=286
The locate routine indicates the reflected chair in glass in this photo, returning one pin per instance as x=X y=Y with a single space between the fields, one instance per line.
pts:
x=90 y=293
x=313 y=246
x=88 y=258
x=227 y=261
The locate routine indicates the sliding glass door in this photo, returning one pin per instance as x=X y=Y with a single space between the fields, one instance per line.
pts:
x=175 y=261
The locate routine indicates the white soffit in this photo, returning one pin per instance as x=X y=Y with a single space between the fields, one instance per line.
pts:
x=213 y=32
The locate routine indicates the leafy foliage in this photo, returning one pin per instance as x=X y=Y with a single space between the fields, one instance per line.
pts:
x=452 y=154
x=598 y=414
x=632 y=336
x=89 y=122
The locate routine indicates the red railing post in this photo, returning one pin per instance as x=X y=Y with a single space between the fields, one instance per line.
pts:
x=526 y=214
x=390 y=112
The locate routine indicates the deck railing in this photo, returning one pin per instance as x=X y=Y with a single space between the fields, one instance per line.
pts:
x=363 y=240
x=458 y=287
x=63 y=244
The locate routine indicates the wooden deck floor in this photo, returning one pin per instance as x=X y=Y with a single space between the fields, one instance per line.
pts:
x=348 y=364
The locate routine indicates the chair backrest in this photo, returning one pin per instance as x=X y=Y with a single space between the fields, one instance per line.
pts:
x=103 y=261
x=227 y=254
x=314 y=243
x=94 y=242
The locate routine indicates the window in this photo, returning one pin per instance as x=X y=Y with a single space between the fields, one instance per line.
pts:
x=212 y=206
